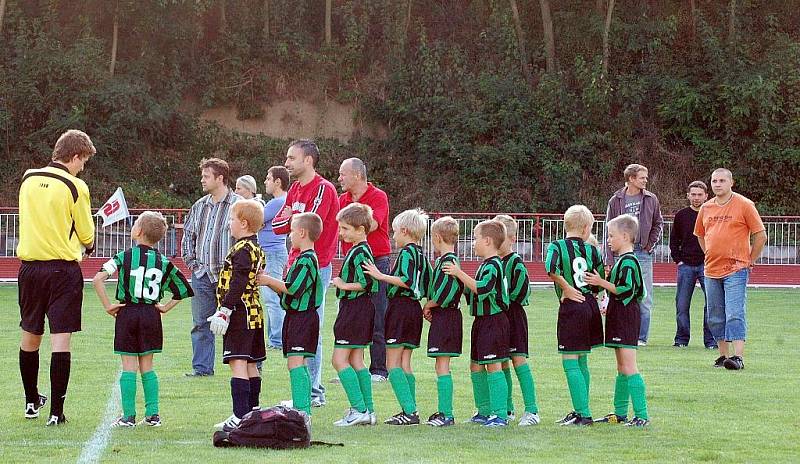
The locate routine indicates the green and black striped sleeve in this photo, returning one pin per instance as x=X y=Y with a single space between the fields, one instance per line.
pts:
x=300 y=283
x=627 y=278
x=518 y=282
x=445 y=289
x=404 y=269
x=176 y=282
x=552 y=264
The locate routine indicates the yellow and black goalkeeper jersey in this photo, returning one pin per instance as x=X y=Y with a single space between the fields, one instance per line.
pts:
x=55 y=216
x=237 y=288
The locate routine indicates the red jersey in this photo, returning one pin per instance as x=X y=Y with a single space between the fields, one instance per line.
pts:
x=317 y=196
x=378 y=240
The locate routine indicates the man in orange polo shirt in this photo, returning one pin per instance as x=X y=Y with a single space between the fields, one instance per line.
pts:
x=724 y=227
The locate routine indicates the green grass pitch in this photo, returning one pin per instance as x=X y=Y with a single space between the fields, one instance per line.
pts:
x=698 y=413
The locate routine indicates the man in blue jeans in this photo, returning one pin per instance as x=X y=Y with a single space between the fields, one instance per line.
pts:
x=687 y=253
x=353 y=179
x=636 y=200
x=725 y=226
x=275 y=251
x=206 y=240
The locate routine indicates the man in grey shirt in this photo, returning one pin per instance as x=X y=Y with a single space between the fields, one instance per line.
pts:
x=206 y=240
x=635 y=200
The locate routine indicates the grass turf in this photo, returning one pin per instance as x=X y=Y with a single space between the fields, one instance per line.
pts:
x=698 y=413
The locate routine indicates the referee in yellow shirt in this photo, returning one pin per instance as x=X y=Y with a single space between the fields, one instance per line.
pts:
x=55 y=221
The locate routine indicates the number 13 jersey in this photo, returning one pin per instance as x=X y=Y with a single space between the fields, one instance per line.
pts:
x=144 y=274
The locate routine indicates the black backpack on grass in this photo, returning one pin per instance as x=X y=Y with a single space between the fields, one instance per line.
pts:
x=276 y=428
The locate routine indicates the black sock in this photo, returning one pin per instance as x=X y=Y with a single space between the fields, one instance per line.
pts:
x=240 y=393
x=29 y=370
x=59 y=379
x=255 y=391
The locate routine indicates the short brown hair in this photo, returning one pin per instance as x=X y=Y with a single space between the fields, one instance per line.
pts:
x=494 y=230
x=632 y=170
x=356 y=215
x=280 y=172
x=152 y=225
x=309 y=148
x=509 y=222
x=447 y=228
x=218 y=166
x=73 y=142
x=250 y=211
x=310 y=222
x=626 y=224
x=697 y=184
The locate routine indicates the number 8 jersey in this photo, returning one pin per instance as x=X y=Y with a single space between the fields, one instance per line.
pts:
x=571 y=258
x=144 y=274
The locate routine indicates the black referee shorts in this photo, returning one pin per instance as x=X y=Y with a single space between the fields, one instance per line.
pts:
x=51 y=288
x=622 y=324
x=137 y=330
x=446 y=332
x=580 y=326
x=241 y=342
x=354 y=323
x=403 y=326
x=490 y=339
x=300 y=333
x=517 y=330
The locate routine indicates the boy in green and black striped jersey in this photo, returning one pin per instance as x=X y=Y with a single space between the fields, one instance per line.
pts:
x=442 y=311
x=487 y=295
x=300 y=295
x=144 y=274
x=352 y=330
x=518 y=292
x=580 y=325
x=623 y=320
x=407 y=285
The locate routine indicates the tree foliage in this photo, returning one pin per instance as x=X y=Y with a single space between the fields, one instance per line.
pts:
x=471 y=114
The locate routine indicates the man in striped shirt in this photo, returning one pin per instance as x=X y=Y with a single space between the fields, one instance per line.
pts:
x=315 y=194
x=206 y=240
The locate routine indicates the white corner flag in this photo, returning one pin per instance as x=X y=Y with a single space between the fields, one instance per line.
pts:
x=115 y=209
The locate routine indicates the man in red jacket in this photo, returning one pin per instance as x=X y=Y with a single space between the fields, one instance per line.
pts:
x=312 y=193
x=353 y=180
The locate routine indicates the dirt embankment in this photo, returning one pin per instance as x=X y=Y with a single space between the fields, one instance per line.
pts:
x=293 y=118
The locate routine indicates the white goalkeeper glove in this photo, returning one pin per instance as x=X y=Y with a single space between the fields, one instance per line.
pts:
x=219 y=321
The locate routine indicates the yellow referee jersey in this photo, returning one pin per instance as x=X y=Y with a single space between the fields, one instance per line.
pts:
x=55 y=216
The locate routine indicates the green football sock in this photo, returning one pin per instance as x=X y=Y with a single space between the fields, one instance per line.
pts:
x=577 y=387
x=480 y=391
x=349 y=380
x=150 y=387
x=401 y=389
x=444 y=386
x=498 y=394
x=127 y=391
x=637 y=389
x=412 y=387
x=365 y=382
x=509 y=384
x=583 y=362
x=301 y=388
x=528 y=387
x=621 y=395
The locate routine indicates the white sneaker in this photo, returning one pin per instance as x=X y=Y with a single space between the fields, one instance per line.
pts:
x=528 y=418
x=373 y=418
x=353 y=417
x=642 y=343
x=378 y=378
x=287 y=403
x=228 y=424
